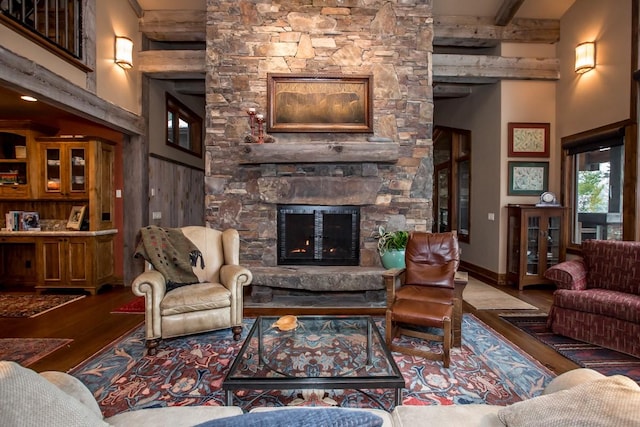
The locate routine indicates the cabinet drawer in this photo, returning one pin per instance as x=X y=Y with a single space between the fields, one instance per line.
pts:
x=14 y=191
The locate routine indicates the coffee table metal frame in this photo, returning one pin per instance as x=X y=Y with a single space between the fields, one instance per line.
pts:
x=284 y=382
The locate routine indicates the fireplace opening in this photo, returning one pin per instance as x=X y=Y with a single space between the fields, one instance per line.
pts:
x=318 y=235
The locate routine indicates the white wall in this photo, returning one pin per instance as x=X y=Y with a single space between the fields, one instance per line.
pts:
x=113 y=83
x=601 y=96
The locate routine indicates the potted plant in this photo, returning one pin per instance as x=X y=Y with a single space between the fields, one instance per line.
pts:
x=391 y=247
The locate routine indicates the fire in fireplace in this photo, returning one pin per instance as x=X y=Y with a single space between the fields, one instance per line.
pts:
x=318 y=235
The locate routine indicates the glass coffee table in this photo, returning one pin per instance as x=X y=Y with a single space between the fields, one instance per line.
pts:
x=322 y=352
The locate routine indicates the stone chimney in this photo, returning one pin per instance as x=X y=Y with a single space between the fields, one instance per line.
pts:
x=390 y=181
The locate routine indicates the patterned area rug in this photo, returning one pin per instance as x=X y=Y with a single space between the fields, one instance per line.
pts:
x=32 y=305
x=135 y=306
x=27 y=351
x=190 y=371
x=606 y=361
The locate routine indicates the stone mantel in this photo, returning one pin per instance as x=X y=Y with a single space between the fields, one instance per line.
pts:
x=320 y=152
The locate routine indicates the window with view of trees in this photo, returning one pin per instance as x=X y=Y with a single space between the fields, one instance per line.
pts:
x=595 y=177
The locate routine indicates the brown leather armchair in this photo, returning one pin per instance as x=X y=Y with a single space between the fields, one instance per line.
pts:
x=426 y=293
x=215 y=302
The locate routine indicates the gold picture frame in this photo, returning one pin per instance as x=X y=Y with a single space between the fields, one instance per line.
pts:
x=319 y=103
x=76 y=217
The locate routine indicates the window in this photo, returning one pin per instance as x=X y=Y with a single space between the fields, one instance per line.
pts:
x=184 y=127
x=594 y=179
x=54 y=22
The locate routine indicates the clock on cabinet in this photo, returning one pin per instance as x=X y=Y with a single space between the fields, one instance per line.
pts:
x=548 y=199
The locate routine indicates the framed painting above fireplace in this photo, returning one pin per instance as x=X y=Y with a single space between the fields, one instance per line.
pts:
x=319 y=103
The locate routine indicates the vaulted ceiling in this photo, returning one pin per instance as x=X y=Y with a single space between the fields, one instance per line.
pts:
x=467 y=36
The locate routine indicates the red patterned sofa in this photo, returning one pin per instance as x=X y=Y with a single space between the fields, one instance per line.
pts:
x=598 y=296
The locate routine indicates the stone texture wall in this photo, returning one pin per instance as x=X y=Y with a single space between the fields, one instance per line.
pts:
x=392 y=40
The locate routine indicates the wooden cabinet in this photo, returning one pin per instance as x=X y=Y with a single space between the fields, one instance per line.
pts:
x=17 y=168
x=75 y=262
x=78 y=169
x=535 y=242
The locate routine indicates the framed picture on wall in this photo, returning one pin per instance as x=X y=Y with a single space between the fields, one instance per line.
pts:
x=528 y=178
x=319 y=103
x=528 y=139
x=76 y=217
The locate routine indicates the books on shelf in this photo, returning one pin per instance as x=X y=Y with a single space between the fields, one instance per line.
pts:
x=22 y=221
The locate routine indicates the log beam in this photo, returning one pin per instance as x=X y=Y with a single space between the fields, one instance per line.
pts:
x=479 y=69
x=174 y=25
x=472 y=31
x=173 y=64
x=507 y=11
x=335 y=152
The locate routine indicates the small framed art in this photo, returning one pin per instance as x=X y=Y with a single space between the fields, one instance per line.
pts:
x=528 y=178
x=76 y=217
x=528 y=139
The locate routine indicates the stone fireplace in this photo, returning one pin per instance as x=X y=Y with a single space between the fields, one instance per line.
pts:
x=385 y=175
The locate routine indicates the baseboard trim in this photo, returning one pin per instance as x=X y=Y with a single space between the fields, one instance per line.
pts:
x=483 y=274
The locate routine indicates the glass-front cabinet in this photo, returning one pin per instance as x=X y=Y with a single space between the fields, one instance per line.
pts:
x=65 y=170
x=535 y=243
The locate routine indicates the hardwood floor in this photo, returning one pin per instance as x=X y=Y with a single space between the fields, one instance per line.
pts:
x=91 y=325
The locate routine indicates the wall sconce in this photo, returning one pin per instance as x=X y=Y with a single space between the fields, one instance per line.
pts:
x=124 y=52
x=585 y=57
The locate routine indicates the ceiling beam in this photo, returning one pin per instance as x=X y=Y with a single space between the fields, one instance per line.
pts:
x=507 y=11
x=174 y=25
x=443 y=90
x=479 y=69
x=472 y=31
x=173 y=64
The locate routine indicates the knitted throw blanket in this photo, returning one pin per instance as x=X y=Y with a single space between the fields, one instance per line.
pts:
x=171 y=253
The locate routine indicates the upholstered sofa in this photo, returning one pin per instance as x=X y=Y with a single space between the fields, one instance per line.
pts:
x=578 y=397
x=598 y=296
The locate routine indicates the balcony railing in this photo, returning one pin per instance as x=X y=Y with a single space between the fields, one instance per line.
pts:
x=56 y=21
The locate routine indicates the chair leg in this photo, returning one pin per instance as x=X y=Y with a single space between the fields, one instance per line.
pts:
x=388 y=328
x=447 y=341
x=237 y=331
x=152 y=346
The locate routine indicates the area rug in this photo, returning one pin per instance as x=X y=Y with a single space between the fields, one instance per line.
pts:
x=32 y=305
x=485 y=297
x=135 y=306
x=603 y=360
x=27 y=351
x=190 y=370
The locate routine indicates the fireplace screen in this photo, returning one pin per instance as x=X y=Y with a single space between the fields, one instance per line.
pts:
x=318 y=235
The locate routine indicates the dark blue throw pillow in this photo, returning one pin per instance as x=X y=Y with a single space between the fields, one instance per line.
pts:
x=300 y=417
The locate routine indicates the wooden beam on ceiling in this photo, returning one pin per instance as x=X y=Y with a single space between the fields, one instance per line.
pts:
x=479 y=69
x=174 y=25
x=442 y=90
x=173 y=64
x=507 y=11
x=474 y=32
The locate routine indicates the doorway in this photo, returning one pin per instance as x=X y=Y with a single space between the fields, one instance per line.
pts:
x=452 y=181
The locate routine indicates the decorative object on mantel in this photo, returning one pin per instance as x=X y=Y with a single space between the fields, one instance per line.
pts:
x=252 y=116
x=260 y=120
x=391 y=247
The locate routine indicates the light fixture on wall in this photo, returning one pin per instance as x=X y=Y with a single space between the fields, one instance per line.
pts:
x=585 y=57
x=124 y=52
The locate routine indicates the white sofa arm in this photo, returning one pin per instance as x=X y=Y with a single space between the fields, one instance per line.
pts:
x=234 y=278
x=571 y=379
x=152 y=286
x=74 y=388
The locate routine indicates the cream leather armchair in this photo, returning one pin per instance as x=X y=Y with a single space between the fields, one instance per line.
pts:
x=216 y=302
